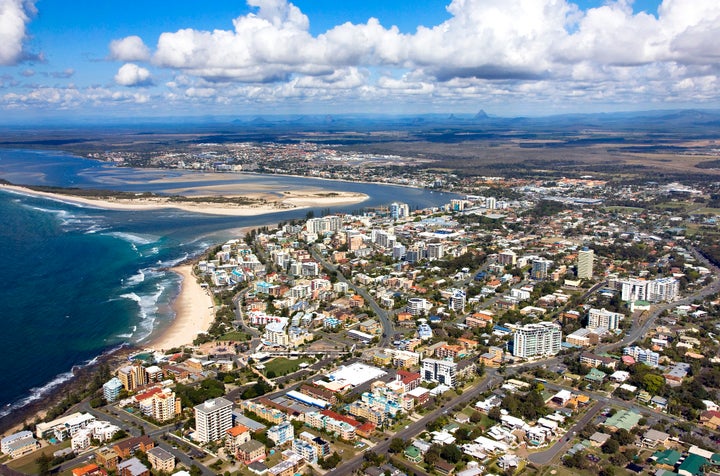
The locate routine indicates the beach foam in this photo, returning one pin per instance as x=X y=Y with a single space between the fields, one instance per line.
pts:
x=38 y=393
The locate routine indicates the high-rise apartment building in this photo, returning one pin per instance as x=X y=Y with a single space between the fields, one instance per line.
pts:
x=212 y=419
x=604 y=319
x=535 y=340
x=585 y=260
x=442 y=371
x=540 y=268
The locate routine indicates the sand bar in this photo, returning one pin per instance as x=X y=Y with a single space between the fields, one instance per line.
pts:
x=266 y=203
x=194 y=313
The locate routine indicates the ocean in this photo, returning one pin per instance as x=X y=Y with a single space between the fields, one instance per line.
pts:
x=78 y=281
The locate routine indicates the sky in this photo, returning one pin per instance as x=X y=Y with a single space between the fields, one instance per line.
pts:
x=61 y=58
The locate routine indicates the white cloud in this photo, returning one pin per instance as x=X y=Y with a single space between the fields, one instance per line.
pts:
x=488 y=52
x=130 y=48
x=14 y=16
x=131 y=74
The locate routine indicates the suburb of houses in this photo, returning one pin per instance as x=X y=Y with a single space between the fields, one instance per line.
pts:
x=564 y=328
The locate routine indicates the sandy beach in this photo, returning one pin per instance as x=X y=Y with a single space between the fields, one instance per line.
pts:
x=265 y=202
x=194 y=313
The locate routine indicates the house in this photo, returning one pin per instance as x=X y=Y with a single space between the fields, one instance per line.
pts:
x=89 y=470
x=508 y=461
x=666 y=459
x=624 y=419
x=366 y=429
x=710 y=419
x=257 y=468
x=444 y=468
x=653 y=437
x=413 y=454
x=594 y=360
x=595 y=375
x=598 y=439
x=692 y=465
x=659 y=402
x=132 y=467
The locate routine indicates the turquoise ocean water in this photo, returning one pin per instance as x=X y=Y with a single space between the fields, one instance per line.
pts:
x=77 y=281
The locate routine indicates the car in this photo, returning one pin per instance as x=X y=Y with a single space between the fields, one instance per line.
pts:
x=407 y=426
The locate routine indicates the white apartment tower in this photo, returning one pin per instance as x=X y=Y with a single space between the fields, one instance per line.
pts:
x=399 y=210
x=604 y=319
x=586 y=257
x=442 y=371
x=212 y=419
x=435 y=251
x=536 y=340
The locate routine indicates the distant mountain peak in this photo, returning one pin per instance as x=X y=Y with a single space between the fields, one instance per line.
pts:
x=481 y=115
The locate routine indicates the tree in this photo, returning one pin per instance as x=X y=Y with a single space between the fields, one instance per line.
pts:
x=331 y=461
x=576 y=461
x=476 y=417
x=432 y=455
x=43 y=463
x=195 y=470
x=623 y=437
x=397 y=445
x=451 y=453
x=610 y=447
x=652 y=383
x=495 y=413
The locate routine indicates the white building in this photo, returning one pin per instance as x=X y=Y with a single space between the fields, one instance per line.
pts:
x=604 y=319
x=442 y=371
x=535 y=340
x=399 y=210
x=657 y=290
x=457 y=300
x=663 y=290
x=586 y=257
x=645 y=356
x=435 y=251
x=322 y=225
x=111 y=389
x=212 y=419
x=417 y=306
x=275 y=333
x=19 y=444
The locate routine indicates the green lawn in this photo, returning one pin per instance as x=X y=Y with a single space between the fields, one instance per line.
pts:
x=235 y=336
x=282 y=366
x=707 y=211
x=624 y=209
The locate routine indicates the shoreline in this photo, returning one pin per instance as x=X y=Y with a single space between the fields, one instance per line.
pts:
x=289 y=200
x=194 y=313
x=82 y=375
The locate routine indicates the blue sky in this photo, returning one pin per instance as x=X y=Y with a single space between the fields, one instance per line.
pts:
x=508 y=57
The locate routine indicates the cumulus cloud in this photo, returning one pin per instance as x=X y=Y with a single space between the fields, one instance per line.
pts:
x=494 y=51
x=130 y=48
x=486 y=39
x=131 y=74
x=14 y=17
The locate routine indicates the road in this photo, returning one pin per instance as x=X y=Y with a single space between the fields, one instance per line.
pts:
x=128 y=422
x=636 y=332
x=382 y=314
x=545 y=457
x=491 y=379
